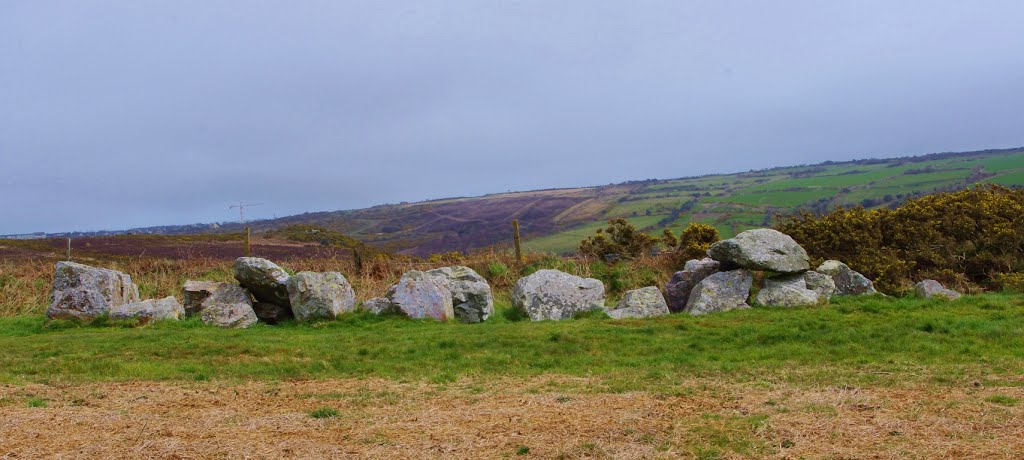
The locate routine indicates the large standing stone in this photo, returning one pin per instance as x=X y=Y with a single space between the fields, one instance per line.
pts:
x=722 y=291
x=762 y=249
x=821 y=283
x=320 y=295
x=146 y=311
x=848 y=281
x=679 y=287
x=471 y=295
x=640 y=303
x=419 y=295
x=264 y=279
x=82 y=292
x=930 y=289
x=229 y=306
x=787 y=291
x=378 y=306
x=555 y=295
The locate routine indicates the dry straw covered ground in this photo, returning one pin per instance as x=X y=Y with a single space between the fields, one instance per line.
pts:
x=545 y=417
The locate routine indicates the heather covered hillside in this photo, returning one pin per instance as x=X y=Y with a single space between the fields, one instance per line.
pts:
x=556 y=220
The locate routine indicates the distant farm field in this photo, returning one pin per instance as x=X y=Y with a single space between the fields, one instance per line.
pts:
x=738 y=202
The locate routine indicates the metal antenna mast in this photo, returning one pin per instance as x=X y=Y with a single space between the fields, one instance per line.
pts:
x=241 y=210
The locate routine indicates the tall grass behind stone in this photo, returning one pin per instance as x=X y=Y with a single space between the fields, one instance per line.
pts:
x=25 y=284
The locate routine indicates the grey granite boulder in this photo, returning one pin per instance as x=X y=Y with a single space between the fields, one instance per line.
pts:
x=848 y=281
x=81 y=292
x=419 y=295
x=264 y=279
x=677 y=291
x=379 y=306
x=320 y=295
x=640 y=303
x=821 y=283
x=145 y=311
x=722 y=291
x=471 y=295
x=931 y=289
x=555 y=295
x=229 y=306
x=762 y=249
x=194 y=293
x=787 y=291
x=271 y=313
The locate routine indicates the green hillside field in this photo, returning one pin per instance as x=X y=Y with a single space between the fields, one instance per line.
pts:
x=738 y=202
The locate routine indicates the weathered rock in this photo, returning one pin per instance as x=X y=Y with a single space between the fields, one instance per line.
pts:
x=271 y=313
x=787 y=291
x=640 y=303
x=555 y=295
x=320 y=295
x=722 y=291
x=471 y=295
x=422 y=296
x=820 y=283
x=194 y=293
x=762 y=249
x=379 y=306
x=930 y=289
x=264 y=279
x=678 y=289
x=848 y=281
x=81 y=292
x=228 y=306
x=149 y=310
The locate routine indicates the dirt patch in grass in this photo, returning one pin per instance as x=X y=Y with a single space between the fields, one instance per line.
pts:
x=547 y=417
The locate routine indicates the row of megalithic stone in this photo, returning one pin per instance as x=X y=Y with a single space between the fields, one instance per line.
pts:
x=265 y=292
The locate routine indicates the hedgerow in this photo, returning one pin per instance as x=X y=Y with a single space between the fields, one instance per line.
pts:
x=970 y=239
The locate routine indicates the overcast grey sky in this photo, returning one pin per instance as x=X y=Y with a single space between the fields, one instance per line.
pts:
x=117 y=114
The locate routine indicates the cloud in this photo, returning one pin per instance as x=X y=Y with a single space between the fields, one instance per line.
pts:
x=123 y=114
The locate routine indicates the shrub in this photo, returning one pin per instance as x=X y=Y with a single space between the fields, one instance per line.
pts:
x=692 y=243
x=619 y=238
x=449 y=258
x=1010 y=281
x=966 y=238
x=696 y=239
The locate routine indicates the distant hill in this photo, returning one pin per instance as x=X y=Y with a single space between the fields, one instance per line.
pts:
x=556 y=220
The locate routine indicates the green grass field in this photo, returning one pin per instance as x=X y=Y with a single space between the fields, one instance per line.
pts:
x=882 y=341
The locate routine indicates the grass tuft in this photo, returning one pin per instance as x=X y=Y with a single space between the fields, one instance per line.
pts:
x=1003 y=400
x=323 y=412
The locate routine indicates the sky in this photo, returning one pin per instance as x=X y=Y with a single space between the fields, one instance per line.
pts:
x=121 y=114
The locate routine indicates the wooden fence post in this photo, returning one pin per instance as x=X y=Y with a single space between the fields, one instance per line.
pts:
x=515 y=238
x=358 y=260
x=248 y=248
x=69 y=249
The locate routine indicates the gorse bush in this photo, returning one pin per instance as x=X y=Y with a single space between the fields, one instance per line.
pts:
x=695 y=240
x=970 y=238
x=619 y=238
